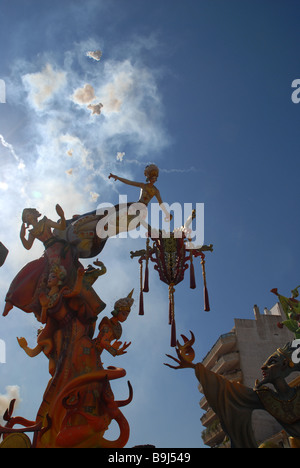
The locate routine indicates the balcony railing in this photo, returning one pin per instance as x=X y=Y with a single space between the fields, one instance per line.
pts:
x=213 y=435
x=226 y=362
x=223 y=345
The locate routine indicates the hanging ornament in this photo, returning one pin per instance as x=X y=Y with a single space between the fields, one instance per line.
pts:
x=171 y=257
x=192 y=273
x=205 y=293
x=141 y=303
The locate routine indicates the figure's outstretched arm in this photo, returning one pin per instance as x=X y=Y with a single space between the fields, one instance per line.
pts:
x=161 y=204
x=27 y=243
x=126 y=181
x=182 y=363
x=185 y=354
x=61 y=225
x=117 y=350
x=31 y=352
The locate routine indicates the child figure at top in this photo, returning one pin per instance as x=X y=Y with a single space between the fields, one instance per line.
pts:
x=148 y=189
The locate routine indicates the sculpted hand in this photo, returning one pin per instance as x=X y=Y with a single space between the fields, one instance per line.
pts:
x=44 y=299
x=182 y=363
x=168 y=217
x=60 y=211
x=125 y=346
x=185 y=354
x=22 y=342
x=116 y=345
x=112 y=176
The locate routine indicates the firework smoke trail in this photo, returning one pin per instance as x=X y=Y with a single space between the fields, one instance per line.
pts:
x=12 y=151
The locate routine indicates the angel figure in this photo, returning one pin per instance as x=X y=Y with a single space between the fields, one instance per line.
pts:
x=148 y=189
x=88 y=232
x=31 y=281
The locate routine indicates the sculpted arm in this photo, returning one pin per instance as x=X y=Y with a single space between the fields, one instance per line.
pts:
x=27 y=243
x=126 y=181
x=31 y=352
x=161 y=204
x=104 y=340
x=62 y=224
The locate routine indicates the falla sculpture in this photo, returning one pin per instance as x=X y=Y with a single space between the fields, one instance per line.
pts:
x=78 y=404
x=234 y=403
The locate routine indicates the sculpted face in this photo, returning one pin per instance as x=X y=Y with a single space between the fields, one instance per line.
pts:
x=151 y=173
x=123 y=313
x=153 y=177
x=52 y=280
x=274 y=368
x=30 y=215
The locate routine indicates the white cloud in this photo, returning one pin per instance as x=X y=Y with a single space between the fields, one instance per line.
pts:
x=120 y=156
x=84 y=95
x=78 y=150
x=132 y=106
x=3 y=186
x=41 y=86
x=132 y=113
x=121 y=77
x=94 y=196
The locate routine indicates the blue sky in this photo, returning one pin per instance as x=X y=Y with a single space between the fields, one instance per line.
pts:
x=203 y=89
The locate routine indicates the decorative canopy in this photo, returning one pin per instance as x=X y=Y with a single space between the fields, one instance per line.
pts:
x=171 y=256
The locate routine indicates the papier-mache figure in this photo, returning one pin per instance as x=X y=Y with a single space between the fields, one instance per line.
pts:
x=148 y=189
x=234 y=403
x=110 y=329
x=31 y=281
x=90 y=231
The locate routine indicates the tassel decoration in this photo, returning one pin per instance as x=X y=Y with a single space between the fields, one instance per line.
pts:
x=141 y=305
x=173 y=334
x=206 y=299
x=192 y=273
x=172 y=314
x=146 y=280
